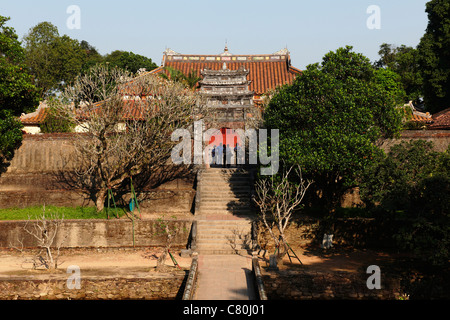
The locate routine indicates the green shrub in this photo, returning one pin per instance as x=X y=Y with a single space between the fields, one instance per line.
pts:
x=55 y=122
x=414 y=180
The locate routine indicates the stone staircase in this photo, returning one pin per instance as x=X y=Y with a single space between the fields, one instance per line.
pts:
x=224 y=212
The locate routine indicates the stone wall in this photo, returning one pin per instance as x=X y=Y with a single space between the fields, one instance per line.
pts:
x=440 y=138
x=304 y=285
x=154 y=287
x=40 y=174
x=351 y=232
x=97 y=233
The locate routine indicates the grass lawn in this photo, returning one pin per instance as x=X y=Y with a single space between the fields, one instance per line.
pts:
x=65 y=212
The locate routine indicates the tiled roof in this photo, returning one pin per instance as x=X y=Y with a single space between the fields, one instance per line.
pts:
x=421 y=117
x=416 y=115
x=266 y=72
x=36 y=117
x=132 y=110
x=441 y=120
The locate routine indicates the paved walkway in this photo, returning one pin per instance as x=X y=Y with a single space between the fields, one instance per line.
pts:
x=225 y=277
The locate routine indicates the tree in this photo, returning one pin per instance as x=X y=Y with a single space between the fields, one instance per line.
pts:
x=331 y=119
x=434 y=56
x=10 y=138
x=169 y=232
x=53 y=60
x=129 y=61
x=125 y=137
x=404 y=61
x=413 y=182
x=277 y=197
x=93 y=57
x=190 y=80
x=54 y=122
x=17 y=92
x=391 y=182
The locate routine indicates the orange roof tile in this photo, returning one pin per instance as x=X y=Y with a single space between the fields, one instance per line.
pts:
x=36 y=117
x=266 y=72
x=441 y=120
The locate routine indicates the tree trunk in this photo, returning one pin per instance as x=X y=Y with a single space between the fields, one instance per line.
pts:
x=161 y=262
x=100 y=202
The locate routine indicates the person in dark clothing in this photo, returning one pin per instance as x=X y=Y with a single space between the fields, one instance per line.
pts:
x=228 y=154
x=213 y=155
x=219 y=154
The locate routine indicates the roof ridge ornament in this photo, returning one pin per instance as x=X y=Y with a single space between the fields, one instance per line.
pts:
x=225 y=51
x=170 y=52
x=282 y=52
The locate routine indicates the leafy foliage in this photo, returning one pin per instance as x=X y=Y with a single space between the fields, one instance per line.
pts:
x=10 y=137
x=54 y=60
x=55 y=122
x=330 y=119
x=404 y=61
x=434 y=56
x=129 y=61
x=17 y=92
x=391 y=182
x=190 y=80
x=413 y=182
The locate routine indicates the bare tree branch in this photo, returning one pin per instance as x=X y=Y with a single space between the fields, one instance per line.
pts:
x=277 y=199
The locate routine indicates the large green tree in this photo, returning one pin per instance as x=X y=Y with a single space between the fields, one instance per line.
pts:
x=434 y=56
x=330 y=120
x=53 y=60
x=404 y=61
x=17 y=92
x=129 y=61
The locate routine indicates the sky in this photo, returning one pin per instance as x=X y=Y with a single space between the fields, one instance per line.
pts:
x=308 y=28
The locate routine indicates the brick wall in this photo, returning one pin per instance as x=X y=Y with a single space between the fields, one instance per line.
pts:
x=160 y=287
x=97 y=233
x=39 y=171
x=307 y=285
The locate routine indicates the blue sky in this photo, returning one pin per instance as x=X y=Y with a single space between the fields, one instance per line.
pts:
x=308 y=28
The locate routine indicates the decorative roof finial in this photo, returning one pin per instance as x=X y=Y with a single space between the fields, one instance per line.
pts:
x=225 y=51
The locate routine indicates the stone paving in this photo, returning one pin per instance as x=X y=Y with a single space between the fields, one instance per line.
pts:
x=225 y=277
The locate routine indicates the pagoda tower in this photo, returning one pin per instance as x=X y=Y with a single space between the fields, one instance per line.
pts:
x=227 y=92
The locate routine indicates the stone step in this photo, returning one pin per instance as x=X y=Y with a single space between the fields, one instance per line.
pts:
x=226 y=197
x=222 y=252
x=226 y=170
x=233 y=212
x=224 y=193
x=232 y=176
x=225 y=188
x=223 y=183
x=222 y=245
x=224 y=223
x=222 y=231
x=217 y=235
x=215 y=204
x=226 y=244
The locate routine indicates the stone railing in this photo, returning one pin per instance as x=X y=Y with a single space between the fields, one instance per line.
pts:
x=259 y=283
x=191 y=282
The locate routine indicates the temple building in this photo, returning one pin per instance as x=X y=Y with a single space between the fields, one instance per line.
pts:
x=265 y=71
x=233 y=85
